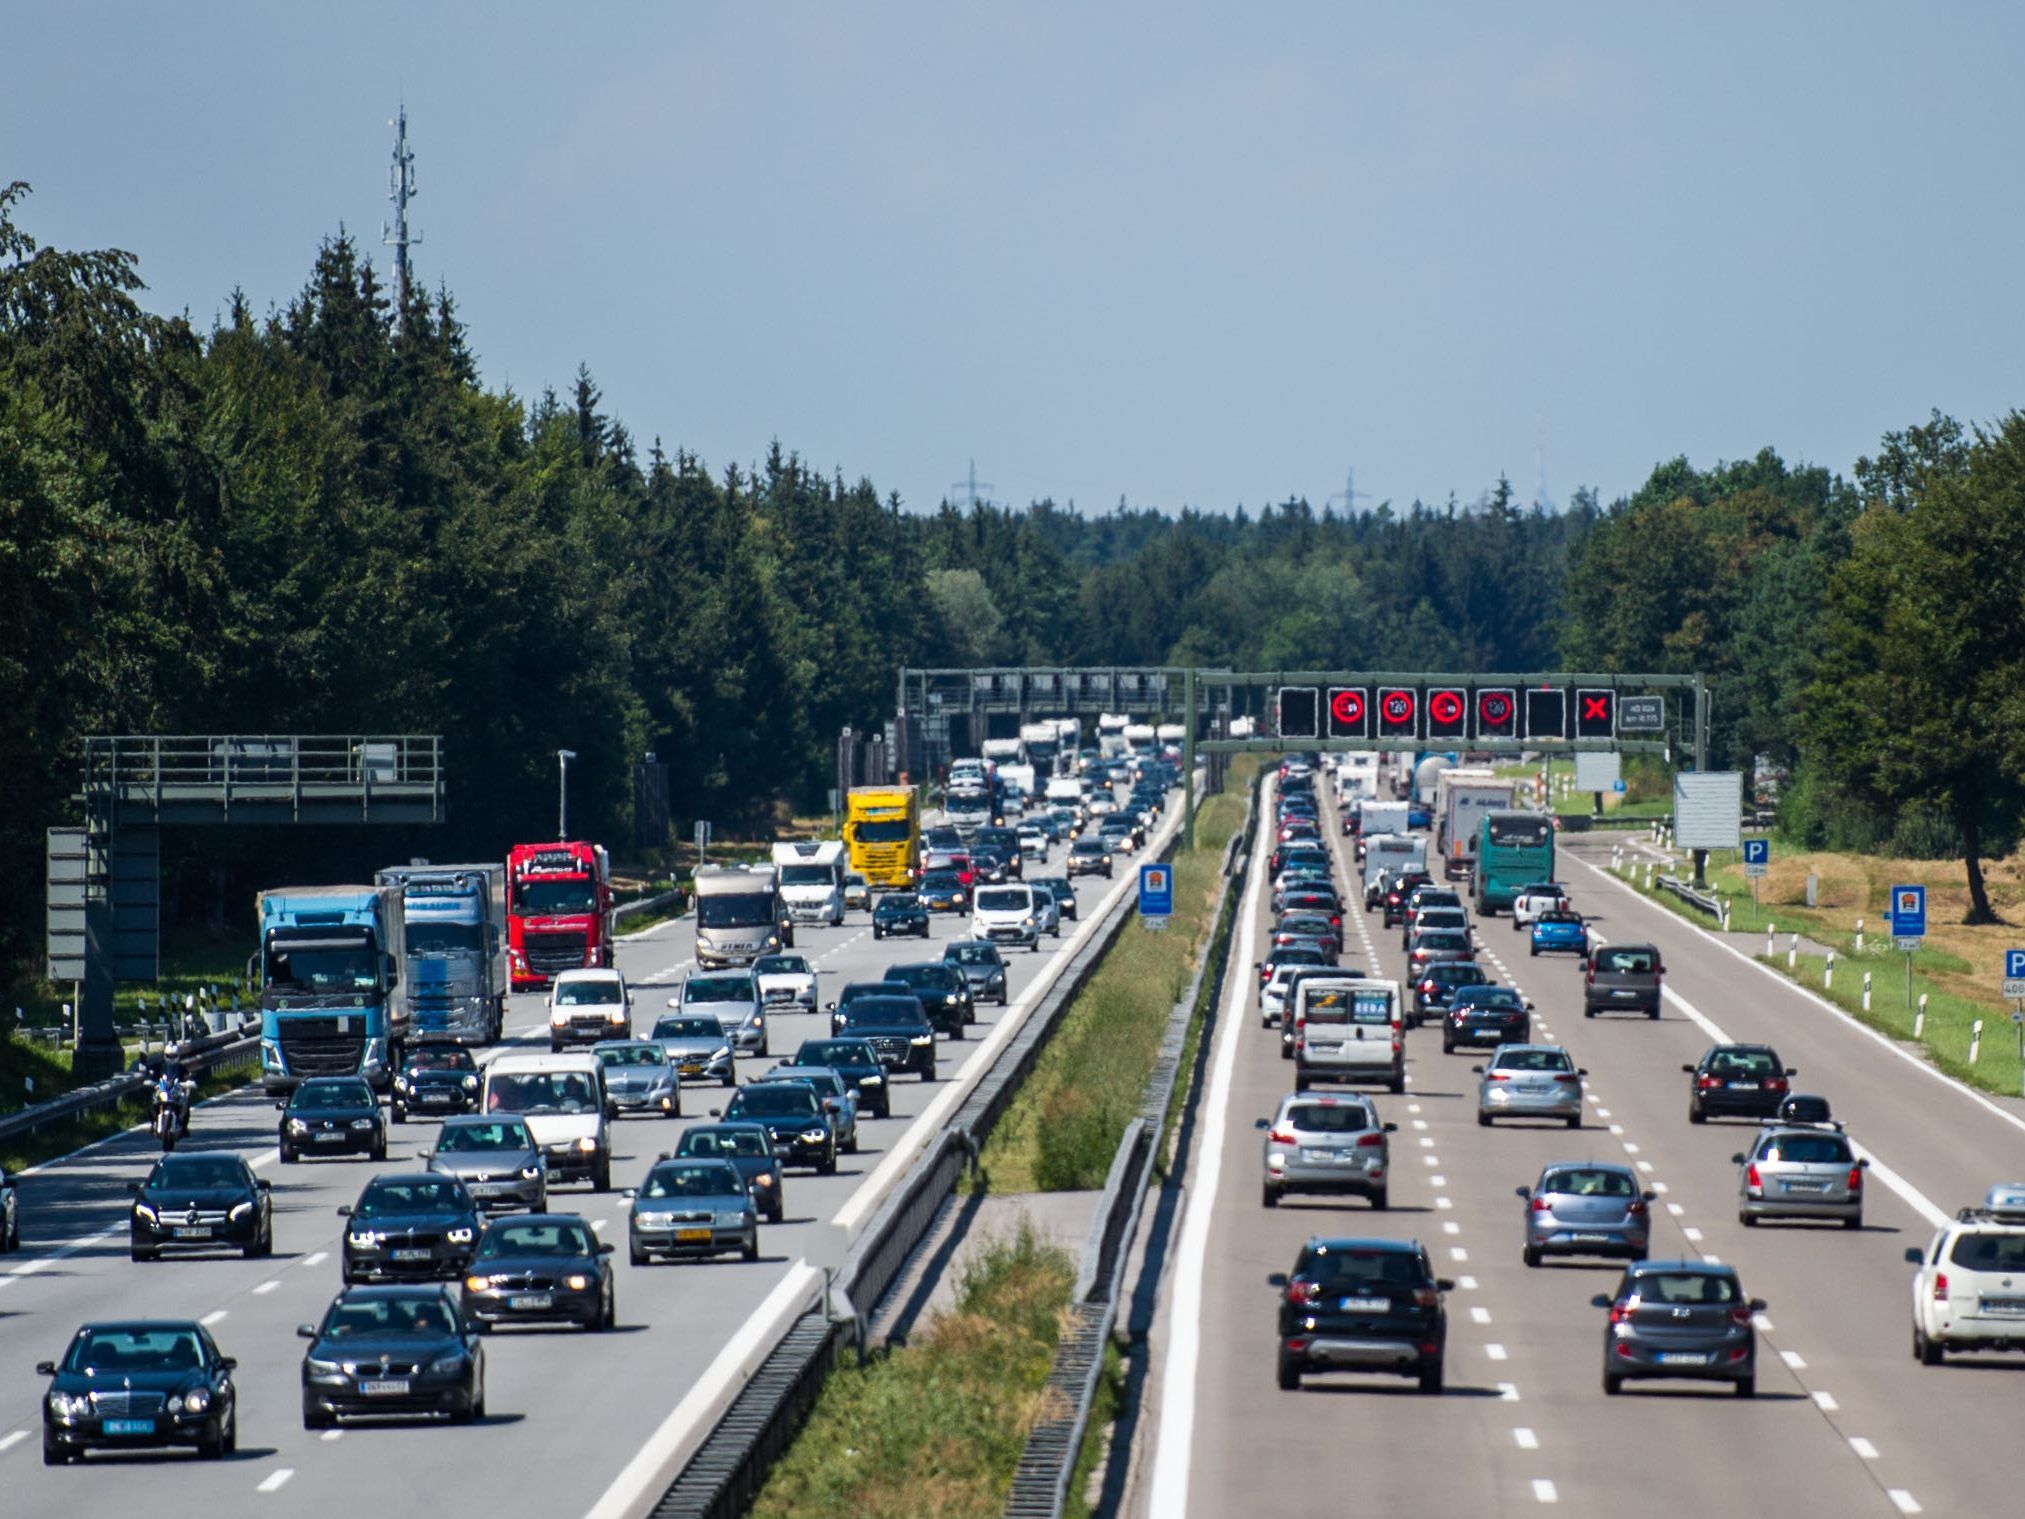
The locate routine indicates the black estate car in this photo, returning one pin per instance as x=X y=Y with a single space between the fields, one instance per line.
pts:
x=392 y=1350
x=1746 y=1080
x=195 y=1201
x=853 y=1060
x=410 y=1226
x=899 y=912
x=139 y=1384
x=332 y=1115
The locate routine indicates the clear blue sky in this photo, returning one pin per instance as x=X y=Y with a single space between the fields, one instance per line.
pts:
x=1181 y=253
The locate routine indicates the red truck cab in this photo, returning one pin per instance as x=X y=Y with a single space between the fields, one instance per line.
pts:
x=558 y=910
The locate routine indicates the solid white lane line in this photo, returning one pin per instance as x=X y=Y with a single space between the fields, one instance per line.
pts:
x=1544 y=1491
x=1863 y=1447
x=215 y=1316
x=1525 y=1439
x=1825 y=1401
x=275 y=1481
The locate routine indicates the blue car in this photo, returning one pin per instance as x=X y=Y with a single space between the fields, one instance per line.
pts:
x=1419 y=816
x=1562 y=932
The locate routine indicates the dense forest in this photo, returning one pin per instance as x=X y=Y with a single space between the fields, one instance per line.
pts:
x=320 y=520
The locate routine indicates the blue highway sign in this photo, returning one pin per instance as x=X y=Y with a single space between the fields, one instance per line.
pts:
x=1156 y=891
x=1908 y=915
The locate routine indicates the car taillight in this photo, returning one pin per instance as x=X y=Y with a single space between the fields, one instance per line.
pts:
x=1590 y=975
x=1426 y=1297
x=1740 y=1316
x=1568 y=1077
x=1398 y=1045
x=1705 y=1082
x=1941 y=1288
x=1370 y=1141
x=1539 y=1205
x=1427 y=987
x=1856 y=1178
x=1751 y=1176
x=1304 y=1292
x=1776 y=1084
x=1282 y=1136
x=1637 y=1209
x=1620 y=1313
x=1496 y=1076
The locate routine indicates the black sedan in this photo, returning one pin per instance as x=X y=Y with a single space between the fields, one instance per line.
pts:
x=1686 y=1318
x=540 y=1270
x=899 y=912
x=944 y=992
x=392 y=1350
x=1436 y=985
x=1730 y=1080
x=749 y=1147
x=982 y=966
x=332 y=1115
x=853 y=1060
x=139 y=1384
x=896 y=1027
x=437 y=1079
x=1485 y=1015
x=410 y=1226
x=200 y=1202
x=792 y=1114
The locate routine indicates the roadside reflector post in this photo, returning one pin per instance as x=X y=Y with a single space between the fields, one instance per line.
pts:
x=1920 y=1018
x=1866 y=991
x=1793 y=953
x=1768 y=939
x=1859 y=936
x=1975 y=1040
x=1828 y=973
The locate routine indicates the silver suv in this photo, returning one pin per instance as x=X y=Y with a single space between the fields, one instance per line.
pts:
x=1320 y=1142
x=1799 y=1173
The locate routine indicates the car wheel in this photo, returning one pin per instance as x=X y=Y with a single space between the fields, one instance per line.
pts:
x=601 y=1180
x=638 y=1256
x=1588 y=1011
x=1483 y=1119
x=287 y=1156
x=1613 y=1384
x=749 y=1251
x=1696 y=1113
x=211 y=1447
x=554 y=1047
x=1268 y=1197
x=1747 y=1385
x=1930 y=1352
x=1290 y=1375
x=1531 y=1255
x=610 y=1318
x=828 y=1165
x=1854 y=1221
x=1381 y=1199
x=1748 y=1220
x=1396 y=1085
x=1431 y=1376
x=730 y=1078
x=1653 y=1013
x=140 y=1254
x=1286 y=1050
x=53 y=1454
x=316 y=1416
x=1533 y=950
x=878 y=933
x=1447 y=1046
x=379 y=1151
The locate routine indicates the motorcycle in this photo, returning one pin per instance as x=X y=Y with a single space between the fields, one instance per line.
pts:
x=171 y=1120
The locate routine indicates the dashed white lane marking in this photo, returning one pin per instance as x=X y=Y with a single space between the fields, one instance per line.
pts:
x=333 y=1434
x=1660 y=1188
x=1544 y=1491
x=1421 y=1123
x=1643 y=1165
x=315 y=1258
x=1602 y=1112
x=600 y=1224
x=1693 y=1234
x=1495 y=1351
x=1825 y=1401
x=1508 y=1392
x=215 y=1316
x=1431 y=1160
x=1457 y=1253
x=275 y=1481
x=1675 y=1209
x=62 y=1252
x=1426 y=1142
x=1712 y=1258
x=1443 y=1202
x=1794 y=1359
x=1863 y=1447
x=1617 y=1128
x=1437 y=1181
x=1480 y=1315
x=1907 y=1503
x=1466 y=1283
x=267 y=1286
x=1414 y=1107
x=1525 y=1439
x=1450 y=1226
x=1760 y=1323
x=8 y=1442
x=1630 y=1148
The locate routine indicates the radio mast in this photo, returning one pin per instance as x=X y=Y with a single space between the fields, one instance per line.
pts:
x=400 y=190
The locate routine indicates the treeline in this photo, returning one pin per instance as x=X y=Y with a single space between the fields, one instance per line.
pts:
x=1866 y=637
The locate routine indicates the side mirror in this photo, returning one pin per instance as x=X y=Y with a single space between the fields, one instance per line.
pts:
x=1478 y=1069
x=305 y=1331
x=344 y=1210
x=1261 y=1123
x=605 y=1248
x=1915 y=1256
x=1648 y=1197
x=45 y=1368
x=1444 y=1284
x=717 y=1112
x=1659 y=970
x=1864 y=1162
x=1392 y=1128
x=629 y=1192
x=1737 y=1159
x=1757 y=1305
x=1792 y=1070
x=1688 y=1068
x=425 y=1155
x=1277 y=1279
x=1581 y=1070
x=1523 y=1192
x=1601 y=1300
x=228 y=1363
x=263 y=1184
x=134 y=1187
x=674 y=1001
x=1529 y=1007
x=281 y=1107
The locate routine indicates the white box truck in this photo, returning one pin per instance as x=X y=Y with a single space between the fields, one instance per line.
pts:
x=1461 y=798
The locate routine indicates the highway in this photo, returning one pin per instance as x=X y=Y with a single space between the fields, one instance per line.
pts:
x=1845 y=1422
x=567 y=1412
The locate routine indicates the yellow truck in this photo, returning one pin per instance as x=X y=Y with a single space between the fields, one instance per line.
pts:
x=882 y=830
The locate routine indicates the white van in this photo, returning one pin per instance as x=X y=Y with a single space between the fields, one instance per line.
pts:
x=1391 y=851
x=563 y=1099
x=811 y=876
x=1348 y=1028
x=1006 y=915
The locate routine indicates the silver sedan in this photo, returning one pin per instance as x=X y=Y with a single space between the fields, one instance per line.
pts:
x=1530 y=1081
x=1589 y=1207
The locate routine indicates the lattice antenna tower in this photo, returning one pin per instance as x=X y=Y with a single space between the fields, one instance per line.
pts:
x=976 y=492
x=400 y=190
x=1350 y=494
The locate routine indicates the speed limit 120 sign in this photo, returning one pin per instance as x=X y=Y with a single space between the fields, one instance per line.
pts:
x=1498 y=713
x=1398 y=709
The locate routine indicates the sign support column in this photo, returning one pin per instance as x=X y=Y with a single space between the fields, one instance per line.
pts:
x=1188 y=758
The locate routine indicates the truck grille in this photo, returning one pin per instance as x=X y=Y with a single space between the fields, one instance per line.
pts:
x=312 y=1056
x=548 y=953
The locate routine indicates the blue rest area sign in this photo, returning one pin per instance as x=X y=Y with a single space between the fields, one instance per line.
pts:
x=1908 y=916
x=1156 y=890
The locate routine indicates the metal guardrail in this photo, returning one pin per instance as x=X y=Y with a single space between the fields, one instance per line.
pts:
x=1705 y=901
x=160 y=764
x=731 y=1465
x=1040 y=1485
x=214 y=1052
x=655 y=903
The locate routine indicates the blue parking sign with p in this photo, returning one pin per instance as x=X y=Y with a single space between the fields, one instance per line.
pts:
x=1757 y=851
x=2014 y=965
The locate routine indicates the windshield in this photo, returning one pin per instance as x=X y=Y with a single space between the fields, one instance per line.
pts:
x=496 y=1134
x=835 y=1052
x=354 y=968
x=780 y=965
x=898 y=902
x=1443 y=940
x=973 y=954
x=1333 y=1118
x=360 y=1317
x=422 y=1195
x=750 y=909
x=688 y=1028
x=942 y=880
x=1589 y=1181
x=634 y=1054
x=717 y=989
x=1489 y=996
x=1086 y=847
x=704 y=1178
x=893 y=832
x=124 y=1350
x=1004 y=899
x=546 y=898
x=1387 y=1268
x=332 y=1094
x=1456 y=973
x=178 y=1171
x=882 y=1012
x=808 y=875
x=595 y=991
x=444 y=938
x=505 y=1240
x=1516 y=833
x=1747 y=1063
x=440 y=1057
x=783 y=1101
x=542 y=1092
x=941 y=977
x=752 y=1144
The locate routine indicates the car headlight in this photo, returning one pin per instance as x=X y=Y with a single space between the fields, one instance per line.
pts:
x=764 y=1179
x=400 y=1081
x=576 y=1282
x=361 y=1125
x=558 y=1017
x=447 y=1366
x=362 y=1239
x=617 y=1015
x=318 y=1368
x=875 y=1079
x=530 y=1173
x=815 y=1136
x=297 y=1126
x=70 y=1405
x=145 y=1213
x=477 y=1283
x=722 y=1052
x=459 y=1236
x=731 y=1220
x=922 y=1039
x=195 y=1401
x=240 y=1210
x=470 y=1083
x=588 y=1144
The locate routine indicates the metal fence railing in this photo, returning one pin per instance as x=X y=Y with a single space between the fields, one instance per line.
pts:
x=231 y=1050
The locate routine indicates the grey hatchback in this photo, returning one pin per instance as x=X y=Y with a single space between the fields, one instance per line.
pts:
x=1800 y=1173
x=1586 y=1208
x=1530 y=1081
x=1680 y=1319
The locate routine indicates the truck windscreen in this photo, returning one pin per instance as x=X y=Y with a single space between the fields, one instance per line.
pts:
x=807 y=875
x=427 y=940
x=1509 y=833
x=535 y=898
x=895 y=832
x=322 y=965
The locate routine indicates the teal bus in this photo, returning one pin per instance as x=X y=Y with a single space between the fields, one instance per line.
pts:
x=1514 y=849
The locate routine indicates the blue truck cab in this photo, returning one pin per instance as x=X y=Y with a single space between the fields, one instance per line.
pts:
x=330 y=966
x=454 y=927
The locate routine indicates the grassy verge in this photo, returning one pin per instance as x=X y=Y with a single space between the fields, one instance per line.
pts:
x=1063 y=1128
x=58 y=1139
x=1957 y=970
x=936 y=1428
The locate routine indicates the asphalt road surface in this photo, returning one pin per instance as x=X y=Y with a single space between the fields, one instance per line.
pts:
x=1845 y=1422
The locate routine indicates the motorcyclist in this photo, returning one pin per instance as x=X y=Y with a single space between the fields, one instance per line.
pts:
x=172 y=1089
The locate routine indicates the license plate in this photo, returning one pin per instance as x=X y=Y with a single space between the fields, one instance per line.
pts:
x=1590 y=1239
x=1682 y=1358
x=1309 y=1153
x=193 y=1231
x=489 y=1188
x=129 y=1426
x=1806 y=1186
x=1624 y=992
x=385 y=1387
x=1743 y=1086
x=692 y=1068
x=1323 y=1049
x=1346 y=1154
x=432 y=1099
x=329 y=1139
x=692 y=1236
x=408 y=1255
x=1364 y=1304
x=529 y=1302
x=2009 y=1306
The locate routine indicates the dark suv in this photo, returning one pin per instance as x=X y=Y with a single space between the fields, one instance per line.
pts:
x=1622 y=978
x=944 y=992
x=1362 y=1305
x=1393 y=894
